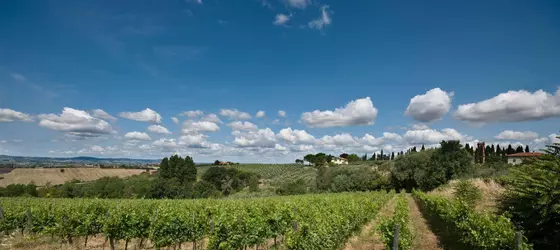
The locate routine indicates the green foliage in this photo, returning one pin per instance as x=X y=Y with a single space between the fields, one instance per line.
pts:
x=350 y=178
x=227 y=180
x=353 y=158
x=400 y=217
x=411 y=171
x=532 y=200
x=14 y=190
x=467 y=192
x=254 y=183
x=183 y=170
x=323 y=221
x=476 y=230
x=298 y=186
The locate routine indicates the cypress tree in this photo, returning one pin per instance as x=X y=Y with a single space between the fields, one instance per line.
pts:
x=527 y=149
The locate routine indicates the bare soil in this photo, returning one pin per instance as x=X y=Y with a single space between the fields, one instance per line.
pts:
x=55 y=176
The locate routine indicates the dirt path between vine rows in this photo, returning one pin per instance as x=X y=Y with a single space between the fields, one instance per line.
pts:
x=422 y=237
x=368 y=238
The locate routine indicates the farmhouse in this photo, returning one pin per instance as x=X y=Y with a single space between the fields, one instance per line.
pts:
x=518 y=158
x=339 y=161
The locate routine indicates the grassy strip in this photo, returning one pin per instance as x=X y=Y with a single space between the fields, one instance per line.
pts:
x=400 y=217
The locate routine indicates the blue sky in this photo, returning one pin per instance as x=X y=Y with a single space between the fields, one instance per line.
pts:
x=91 y=77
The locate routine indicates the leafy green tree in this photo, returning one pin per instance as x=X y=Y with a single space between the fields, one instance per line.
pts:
x=392 y=155
x=532 y=199
x=467 y=192
x=452 y=160
x=353 y=158
x=423 y=148
x=310 y=158
x=554 y=148
x=344 y=155
x=519 y=149
x=510 y=150
x=527 y=149
x=203 y=189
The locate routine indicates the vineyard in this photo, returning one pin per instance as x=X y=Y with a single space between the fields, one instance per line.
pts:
x=322 y=221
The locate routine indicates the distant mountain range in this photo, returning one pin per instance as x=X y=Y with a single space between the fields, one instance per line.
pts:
x=80 y=160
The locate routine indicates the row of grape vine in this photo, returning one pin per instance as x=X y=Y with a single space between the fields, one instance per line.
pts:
x=320 y=221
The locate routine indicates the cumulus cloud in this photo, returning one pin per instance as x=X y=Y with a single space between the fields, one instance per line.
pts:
x=512 y=106
x=158 y=129
x=194 y=141
x=166 y=144
x=101 y=114
x=146 y=115
x=260 y=114
x=192 y=113
x=430 y=106
x=357 y=112
x=262 y=138
x=190 y=127
x=323 y=21
x=282 y=113
x=343 y=139
x=428 y=136
x=295 y=136
x=280 y=147
x=300 y=4
x=75 y=122
x=9 y=115
x=281 y=19
x=211 y=118
x=175 y=120
x=242 y=125
x=420 y=126
x=235 y=114
x=516 y=135
x=137 y=136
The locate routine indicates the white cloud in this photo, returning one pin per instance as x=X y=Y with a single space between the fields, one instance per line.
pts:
x=235 y=114
x=137 y=136
x=9 y=115
x=430 y=106
x=18 y=77
x=75 y=122
x=420 y=126
x=343 y=139
x=295 y=136
x=372 y=140
x=262 y=138
x=97 y=148
x=358 y=112
x=101 y=114
x=190 y=127
x=242 y=125
x=280 y=147
x=516 y=135
x=428 y=136
x=158 y=129
x=392 y=136
x=166 y=144
x=300 y=4
x=192 y=113
x=146 y=115
x=512 y=106
x=322 y=21
x=175 y=120
x=211 y=118
x=194 y=140
x=282 y=113
x=281 y=19
x=260 y=114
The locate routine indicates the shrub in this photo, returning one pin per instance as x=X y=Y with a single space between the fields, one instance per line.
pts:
x=467 y=192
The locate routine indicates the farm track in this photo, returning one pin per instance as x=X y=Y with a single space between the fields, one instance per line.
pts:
x=368 y=238
x=423 y=237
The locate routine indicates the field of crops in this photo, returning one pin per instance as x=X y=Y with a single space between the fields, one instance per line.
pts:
x=323 y=221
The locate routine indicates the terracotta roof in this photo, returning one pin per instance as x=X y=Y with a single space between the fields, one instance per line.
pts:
x=531 y=154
